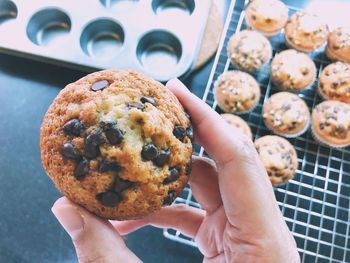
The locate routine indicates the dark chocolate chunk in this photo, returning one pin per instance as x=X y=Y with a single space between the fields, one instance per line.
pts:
x=114 y=135
x=189 y=133
x=135 y=104
x=120 y=184
x=149 y=152
x=162 y=158
x=188 y=167
x=169 y=199
x=173 y=176
x=322 y=126
x=109 y=165
x=109 y=198
x=95 y=137
x=73 y=127
x=179 y=132
x=99 y=85
x=69 y=151
x=91 y=151
x=147 y=99
x=82 y=169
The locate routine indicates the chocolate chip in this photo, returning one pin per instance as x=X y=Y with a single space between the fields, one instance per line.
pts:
x=278 y=174
x=73 y=127
x=149 y=152
x=334 y=84
x=147 y=99
x=162 y=158
x=100 y=85
x=253 y=17
x=82 y=169
x=169 y=199
x=114 y=135
x=109 y=198
x=173 y=176
x=188 y=167
x=95 y=137
x=179 y=132
x=69 y=151
x=120 y=184
x=109 y=165
x=268 y=20
x=135 y=104
x=189 y=133
x=322 y=126
x=91 y=151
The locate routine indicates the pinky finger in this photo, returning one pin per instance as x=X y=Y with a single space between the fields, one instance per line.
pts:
x=184 y=218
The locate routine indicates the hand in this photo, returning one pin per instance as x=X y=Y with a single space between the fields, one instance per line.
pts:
x=239 y=221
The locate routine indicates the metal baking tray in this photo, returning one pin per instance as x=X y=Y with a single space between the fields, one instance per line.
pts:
x=316 y=202
x=160 y=38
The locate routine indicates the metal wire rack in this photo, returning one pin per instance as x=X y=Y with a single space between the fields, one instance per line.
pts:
x=316 y=202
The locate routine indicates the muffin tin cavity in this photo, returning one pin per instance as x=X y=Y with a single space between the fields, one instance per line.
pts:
x=173 y=6
x=119 y=5
x=102 y=39
x=8 y=11
x=159 y=52
x=48 y=26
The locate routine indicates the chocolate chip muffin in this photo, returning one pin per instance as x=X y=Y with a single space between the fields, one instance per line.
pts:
x=334 y=82
x=305 y=31
x=286 y=114
x=331 y=123
x=279 y=158
x=236 y=92
x=249 y=50
x=292 y=71
x=338 y=47
x=237 y=123
x=266 y=16
x=117 y=143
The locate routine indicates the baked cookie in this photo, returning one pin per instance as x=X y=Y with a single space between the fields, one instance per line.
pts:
x=117 y=143
x=334 y=82
x=331 y=123
x=338 y=47
x=237 y=123
x=279 y=158
x=236 y=92
x=292 y=71
x=286 y=114
x=249 y=50
x=266 y=16
x=305 y=31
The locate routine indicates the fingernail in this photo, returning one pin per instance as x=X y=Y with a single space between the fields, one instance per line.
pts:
x=69 y=217
x=175 y=82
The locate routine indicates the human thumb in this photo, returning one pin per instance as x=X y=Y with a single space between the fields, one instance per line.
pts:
x=95 y=239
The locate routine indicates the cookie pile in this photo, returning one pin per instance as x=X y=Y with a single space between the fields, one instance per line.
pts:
x=292 y=71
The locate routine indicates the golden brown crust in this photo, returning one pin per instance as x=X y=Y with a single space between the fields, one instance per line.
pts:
x=267 y=16
x=286 y=114
x=237 y=123
x=292 y=70
x=338 y=47
x=236 y=91
x=305 y=31
x=334 y=82
x=152 y=124
x=279 y=158
x=331 y=123
x=249 y=50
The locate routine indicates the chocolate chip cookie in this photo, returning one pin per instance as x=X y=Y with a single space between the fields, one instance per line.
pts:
x=117 y=143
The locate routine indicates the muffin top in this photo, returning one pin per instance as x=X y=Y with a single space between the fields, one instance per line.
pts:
x=331 y=123
x=279 y=158
x=334 y=82
x=306 y=31
x=117 y=143
x=249 y=50
x=267 y=16
x=286 y=114
x=339 y=44
x=236 y=91
x=237 y=122
x=292 y=70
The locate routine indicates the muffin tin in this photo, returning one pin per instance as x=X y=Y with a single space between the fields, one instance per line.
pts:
x=160 y=38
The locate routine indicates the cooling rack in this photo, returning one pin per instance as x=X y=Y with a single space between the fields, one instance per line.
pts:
x=316 y=202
